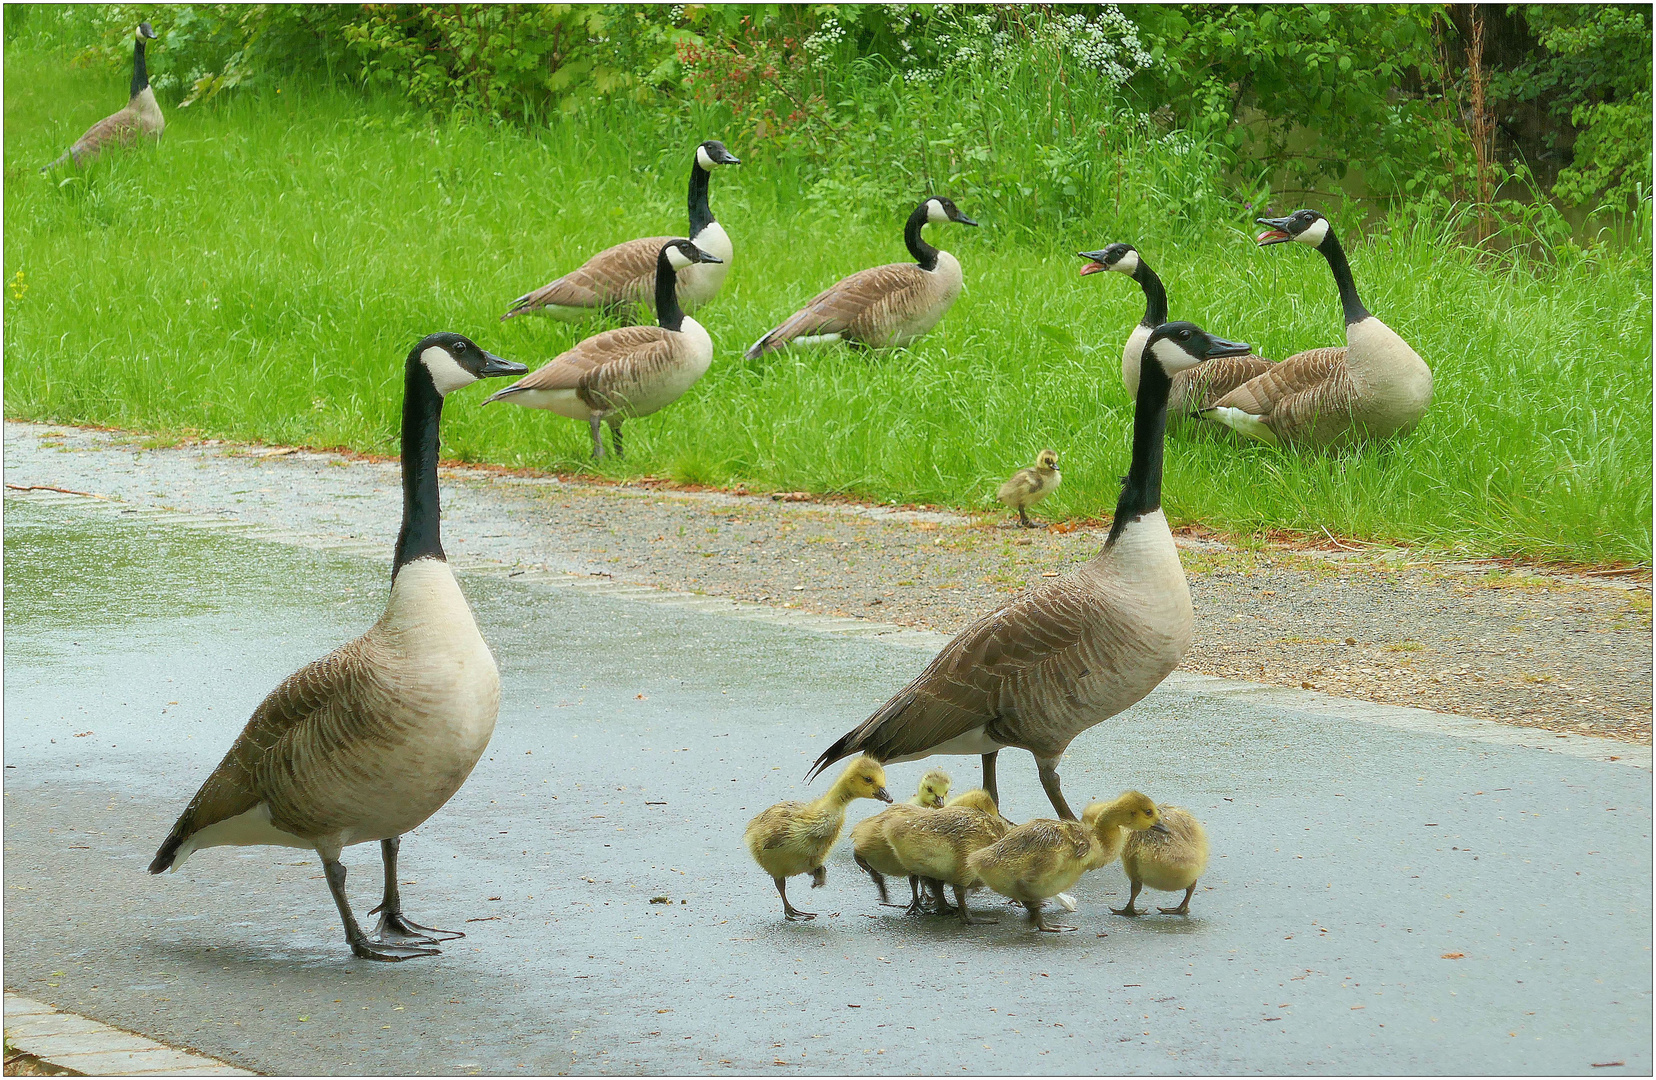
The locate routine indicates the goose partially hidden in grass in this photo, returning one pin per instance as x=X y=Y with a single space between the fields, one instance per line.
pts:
x=630 y=371
x=1194 y=388
x=883 y=306
x=372 y=739
x=1071 y=653
x=1374 y=387
x=142 y=115
x=618 y=278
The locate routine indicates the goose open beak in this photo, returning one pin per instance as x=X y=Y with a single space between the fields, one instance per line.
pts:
x=494 y=367
x=1276 y=233
x=1097 y=264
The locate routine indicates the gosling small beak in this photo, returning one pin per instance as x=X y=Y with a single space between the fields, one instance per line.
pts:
x=1276 y=232
x=494 y=367
x=883 y=795
x=1159 y=827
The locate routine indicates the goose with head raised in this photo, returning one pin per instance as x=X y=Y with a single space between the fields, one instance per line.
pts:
x=141 y=116
x=372 y=739
x=618 y=278
x=629 y=371
x=883 y=306
x=1070 y=653
x=1374 y=387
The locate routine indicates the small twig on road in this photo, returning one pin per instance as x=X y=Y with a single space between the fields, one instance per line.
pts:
x=1619 y=571
x=49 y=487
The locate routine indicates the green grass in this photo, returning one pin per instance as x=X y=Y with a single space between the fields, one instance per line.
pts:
x=262 y=273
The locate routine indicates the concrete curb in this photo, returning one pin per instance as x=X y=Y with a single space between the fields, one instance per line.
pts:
x=1315 y=702
x=85 y=1047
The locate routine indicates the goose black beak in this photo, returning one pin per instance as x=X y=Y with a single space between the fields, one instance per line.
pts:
x=495 y=367
x=1221 y=347
x=702 y=256
x=963 y=219
x=1096 y=266
x=1275 y=233
x=883 y=795
x=1163 y=829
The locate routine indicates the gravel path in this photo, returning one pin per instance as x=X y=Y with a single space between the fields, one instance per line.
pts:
x=1560 y=652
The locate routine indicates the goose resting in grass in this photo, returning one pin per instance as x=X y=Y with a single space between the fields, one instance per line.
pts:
x=1071 y=653
x=372 y=739
x=1374 y=387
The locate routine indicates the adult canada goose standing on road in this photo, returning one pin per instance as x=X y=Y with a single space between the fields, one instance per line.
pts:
x=618 y=277
x=629 y=371
x=1374 y=387
x=142 y=116
x=1193 y=389
x=369 y=741
x=884 y=305
x=1051 y=663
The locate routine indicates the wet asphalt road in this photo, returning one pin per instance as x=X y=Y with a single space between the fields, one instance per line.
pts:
x=1379 y=900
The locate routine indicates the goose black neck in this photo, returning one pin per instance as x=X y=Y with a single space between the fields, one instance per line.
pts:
x=422 y=526
x=1352 y=305
x=1141 y=492
x=140 y=73
x=923 y=253
x=701 y=216
x=1155 y=297
x=668 y=313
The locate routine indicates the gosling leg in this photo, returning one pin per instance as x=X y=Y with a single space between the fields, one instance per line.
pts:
x=1183 y=908
x=1132 y=897
x=940 y=899
x=1023 y=518
x=1048 y=768
x=334 y=870
x=789 y=912
x=965 y=915
x=394 y=928
x=1040 y=922
x=917 y=905
x=597 y=424
x=879 y=881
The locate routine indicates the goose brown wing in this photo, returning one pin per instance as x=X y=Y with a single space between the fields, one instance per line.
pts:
x=617 y=275
x=1302 y=372
x=854 y=306
x=239 y=783
x=605 y=369
x=117 y=129
x=1202 y=386
x=973 y=682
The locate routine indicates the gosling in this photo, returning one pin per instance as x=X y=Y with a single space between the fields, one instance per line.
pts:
x=874 y=855
x=794 y=838
x=1029 y=486
x=1169 y=861
x=1042 y=858
x=936 y=846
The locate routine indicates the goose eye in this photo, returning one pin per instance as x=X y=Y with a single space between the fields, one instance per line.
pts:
x=460 y=346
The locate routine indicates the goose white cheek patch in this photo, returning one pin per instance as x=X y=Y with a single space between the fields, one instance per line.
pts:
x=704 y=159
x=1127 y=264
x=1173 y=358
x=446 y=373
x=1314 y=235
x=677 y=259
x=935 y=211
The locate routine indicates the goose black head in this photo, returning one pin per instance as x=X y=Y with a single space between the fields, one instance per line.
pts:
x=712 y=153
x=940 y=209
x=453 y=361
x=1120 y=257
x=146 y=31
x=1304 y=226
x=682 y=253
x=1179 y=345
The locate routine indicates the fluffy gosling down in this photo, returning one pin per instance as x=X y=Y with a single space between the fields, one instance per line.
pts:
x=1029 y=486
x=938 y=845
x=1042 y=858
x=868 y=843
x=1168 y=860
x=793 y=838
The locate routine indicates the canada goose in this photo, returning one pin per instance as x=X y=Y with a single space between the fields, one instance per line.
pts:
x=795 y=837
x=1374 y=387
x=626 y=372
x=1193 y=389
x=935 y=846
x=885 y=305
x=1029 y=486
x=1042 y=858
x=370 y=740
x=617 y=278
x=1168 y=859
x=1070 y=653
x=142 y=116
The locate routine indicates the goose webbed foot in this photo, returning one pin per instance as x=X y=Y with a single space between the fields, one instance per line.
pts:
x=1023 y=519
x=1184 y=906
x=395 y=929
x=939 y=898
x=1132 y=898
x=789 y=912
x=334 y=871
x=1037 y=917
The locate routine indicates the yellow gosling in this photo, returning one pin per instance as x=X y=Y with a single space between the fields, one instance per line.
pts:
x=794 y=838
x=934 y=789
x=1042 y=858
x=1029 y=486
x=868 y=843
x=1169 y=861
x=936 y=846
